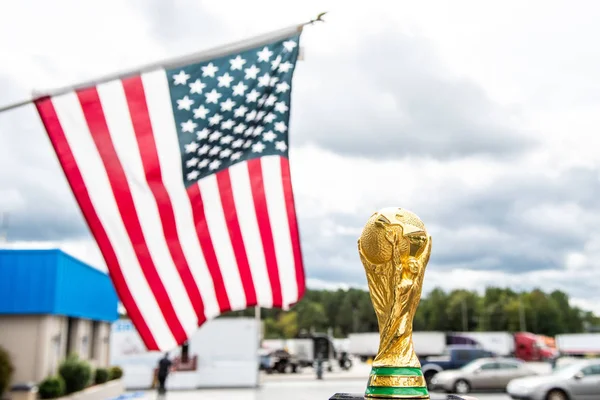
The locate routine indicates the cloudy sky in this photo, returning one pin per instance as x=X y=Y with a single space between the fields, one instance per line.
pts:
x=481 y=117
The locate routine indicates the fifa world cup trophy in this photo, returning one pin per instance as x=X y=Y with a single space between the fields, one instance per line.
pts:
x=394 y=248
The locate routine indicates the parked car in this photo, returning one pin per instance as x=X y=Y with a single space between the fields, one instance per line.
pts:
x=576 y=381
x=456 y=357
x=482 y=374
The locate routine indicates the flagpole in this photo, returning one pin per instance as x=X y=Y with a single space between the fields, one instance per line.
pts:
x=259 y=331
x=17 y=104
x=196 y=57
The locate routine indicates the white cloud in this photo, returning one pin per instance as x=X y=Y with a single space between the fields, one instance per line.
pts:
x=68 y=41
x=84 y=250
x=520 y=219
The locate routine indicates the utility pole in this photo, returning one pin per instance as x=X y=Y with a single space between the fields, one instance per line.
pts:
x=3 y=226
x=465 y=320
x=522 y=324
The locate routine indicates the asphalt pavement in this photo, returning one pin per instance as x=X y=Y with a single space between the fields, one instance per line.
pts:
x=302 y=386
x=294 y=390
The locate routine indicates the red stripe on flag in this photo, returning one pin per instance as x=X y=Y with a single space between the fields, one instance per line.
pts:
x=235 y=235
x=293 y=224
x=208 y=249
x=138 y=109
x=264 y=226
x=94 y=115
x=63 y=151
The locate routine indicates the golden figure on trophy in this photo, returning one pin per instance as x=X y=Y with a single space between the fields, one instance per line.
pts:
x=394 y=248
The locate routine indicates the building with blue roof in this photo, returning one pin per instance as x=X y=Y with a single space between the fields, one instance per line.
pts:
x=51 y=305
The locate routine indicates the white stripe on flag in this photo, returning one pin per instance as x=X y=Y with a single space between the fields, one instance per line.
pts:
x=244 y=204
x=271 y=169
x=118 y=120
x=217 y=226
x=158 y=98
x=84 y=151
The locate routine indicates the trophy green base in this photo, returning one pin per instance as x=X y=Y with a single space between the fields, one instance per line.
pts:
x=392 y=383
x=397 y=383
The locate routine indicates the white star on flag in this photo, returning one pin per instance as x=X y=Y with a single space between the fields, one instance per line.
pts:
x=282 y=87
x=281 y=146
x=281 y=107
x=269 y=136
x=225 y=80
x=188 y=126
x=280 y=126
x=215 y=164
x=237 y=63
x=227 y=105
x=289 y=45
x=181 y=78
x=191 y=147
x=213 y=96
x=203 y=134
x=197 y=87
x=264 y=54
x=192 y=162
x=284 y=67
x=227 y=124
x=209 y=70
x=258 y=147
x=251 y=72
x=185 y=103
x=204 y=149
x=201 y=112
x=239 y=89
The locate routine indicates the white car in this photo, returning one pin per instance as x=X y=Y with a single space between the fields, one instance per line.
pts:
x=577 y=381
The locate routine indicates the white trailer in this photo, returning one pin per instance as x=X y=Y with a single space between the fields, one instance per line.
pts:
x=225 y=351
x=500 y=343
x=363 y=345
x=578 y=344
x=426 y=343
x=429 y=343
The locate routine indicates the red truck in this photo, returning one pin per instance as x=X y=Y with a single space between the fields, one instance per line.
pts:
x=523 y=345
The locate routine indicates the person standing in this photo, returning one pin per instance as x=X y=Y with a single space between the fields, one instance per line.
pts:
x=164 y=367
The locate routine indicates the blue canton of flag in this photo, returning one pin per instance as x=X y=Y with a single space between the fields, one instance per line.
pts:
x=233 y=108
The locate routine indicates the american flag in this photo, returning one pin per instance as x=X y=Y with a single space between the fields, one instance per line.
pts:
x=182 y=175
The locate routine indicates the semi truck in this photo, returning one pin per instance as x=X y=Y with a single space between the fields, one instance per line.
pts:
x=578 y=344
x=304 y=351
x=523 y=345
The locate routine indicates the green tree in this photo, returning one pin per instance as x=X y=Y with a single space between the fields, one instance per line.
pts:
x=311 y=316
x=435 y=311
x=497 y=309
x=462 y=310
x=288 y=324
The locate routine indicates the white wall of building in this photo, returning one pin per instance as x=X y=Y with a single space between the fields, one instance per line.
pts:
x=227 y=351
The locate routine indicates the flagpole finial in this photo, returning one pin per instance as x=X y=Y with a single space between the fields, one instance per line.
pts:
x=319 y=18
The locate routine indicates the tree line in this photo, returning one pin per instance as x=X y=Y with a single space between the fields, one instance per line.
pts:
x=498 y=309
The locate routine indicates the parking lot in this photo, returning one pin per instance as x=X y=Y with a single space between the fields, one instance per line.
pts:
x=301 y=386
x=295 y=390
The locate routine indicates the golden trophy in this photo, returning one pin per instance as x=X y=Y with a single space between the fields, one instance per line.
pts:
x=394 y=248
